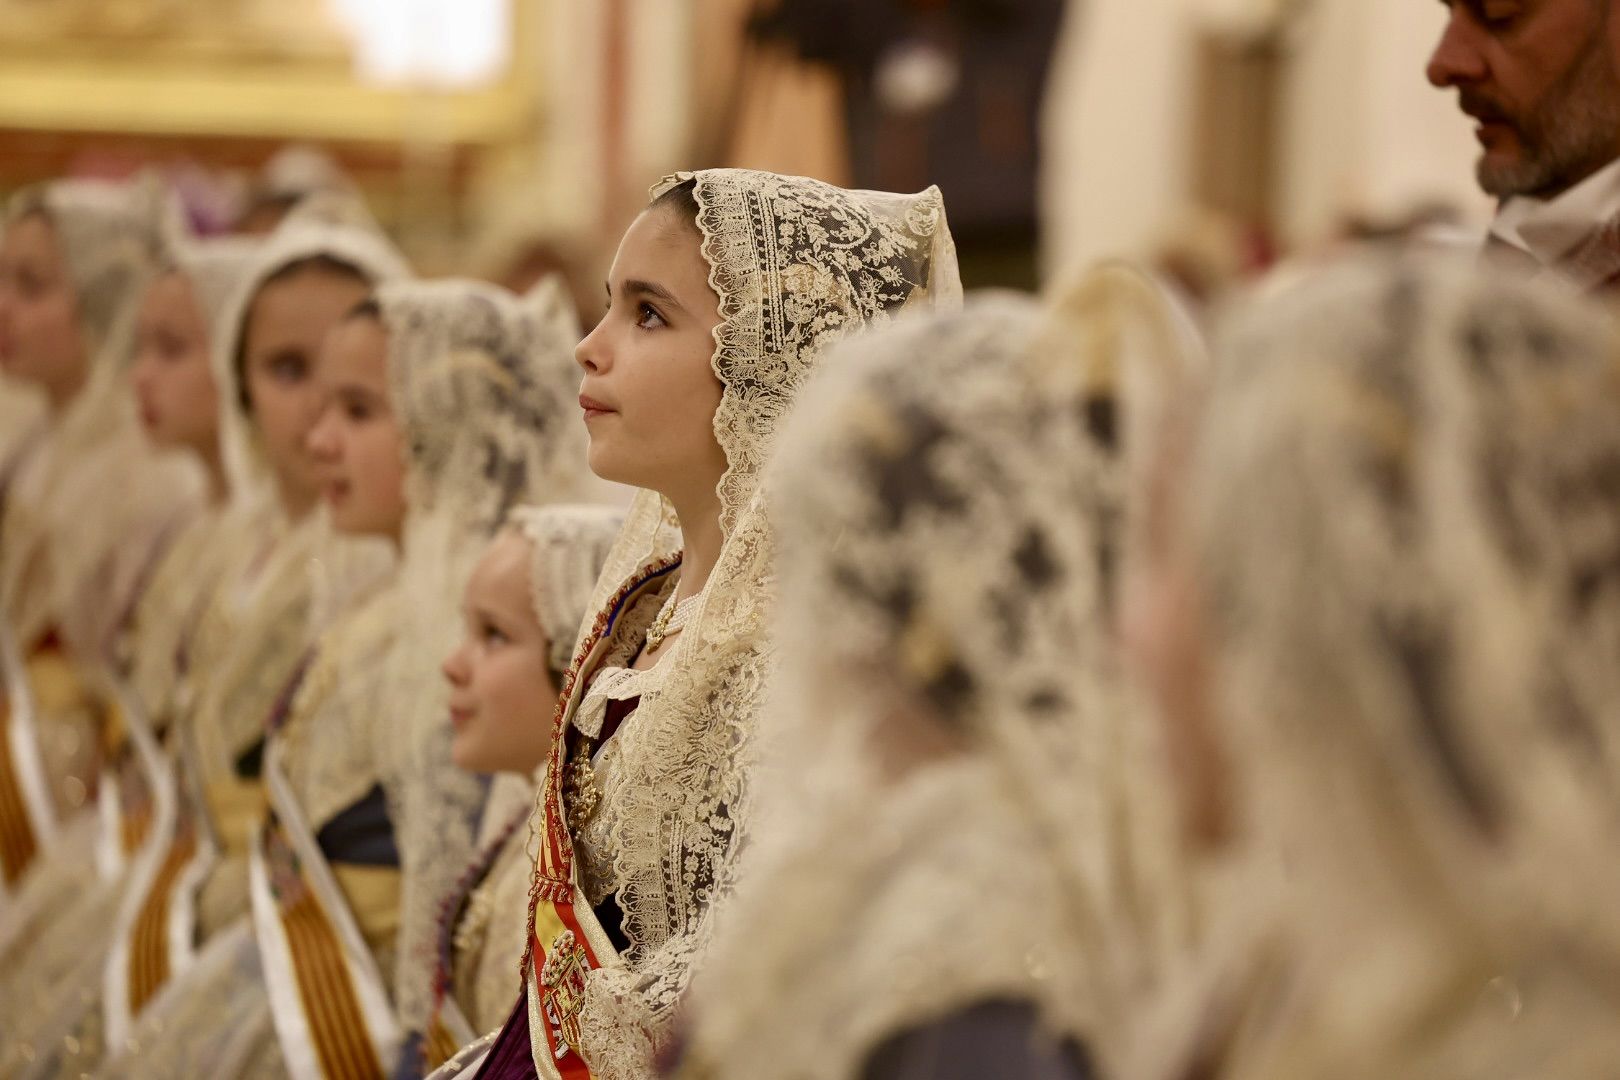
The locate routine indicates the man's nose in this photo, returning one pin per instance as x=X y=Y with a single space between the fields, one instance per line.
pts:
x=1458 y=57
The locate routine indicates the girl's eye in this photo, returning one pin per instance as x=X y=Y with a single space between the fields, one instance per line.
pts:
x=1499 y=16
x=494 y=635
x=170 y=347
x=357 y=411
x=647 y=317
x=289 y=369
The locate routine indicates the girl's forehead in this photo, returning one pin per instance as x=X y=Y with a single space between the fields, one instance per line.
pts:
x=31 y=237
x=503 y=571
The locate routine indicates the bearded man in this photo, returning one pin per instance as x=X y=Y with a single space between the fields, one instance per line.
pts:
x=1541 y=78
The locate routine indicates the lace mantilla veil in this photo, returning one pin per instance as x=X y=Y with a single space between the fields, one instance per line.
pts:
x=567 y=549
x=191 y=568
x=797 y=264
x=958 y=802
x=312 y=573
x=483 y=384
x=94 y=476
x=324 y=226
x=1429 y=744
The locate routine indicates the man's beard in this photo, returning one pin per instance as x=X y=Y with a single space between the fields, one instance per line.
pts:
x=1572 y=133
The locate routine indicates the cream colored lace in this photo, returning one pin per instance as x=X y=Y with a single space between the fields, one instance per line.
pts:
x=178 y=591
x=959 y=794
x=797 y=265
x=568 y=545
x=482 y=386
x=88 y=509
x=1399 y=505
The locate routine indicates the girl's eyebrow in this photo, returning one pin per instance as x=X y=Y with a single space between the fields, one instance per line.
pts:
x=638 y=287
x=358 y=392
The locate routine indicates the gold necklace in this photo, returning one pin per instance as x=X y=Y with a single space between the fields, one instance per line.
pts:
x=581 y=793
x=671 y=618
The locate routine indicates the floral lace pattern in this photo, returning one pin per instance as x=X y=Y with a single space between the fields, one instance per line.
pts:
x=797 y=264
x=1439 y=451
x=480 y=382
x=957 y=802
x=568 y=546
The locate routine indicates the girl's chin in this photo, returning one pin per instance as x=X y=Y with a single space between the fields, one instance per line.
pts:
x=465 y=755
x=350 y=521
x=607 y=464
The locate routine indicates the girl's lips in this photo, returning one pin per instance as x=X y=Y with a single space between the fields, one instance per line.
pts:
x=459 y=718
x=337 y=492
x=593 y=407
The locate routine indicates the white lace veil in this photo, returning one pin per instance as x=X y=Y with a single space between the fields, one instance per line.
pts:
x=959 y=802
x=567 y=546
x=483 y=386
x=95 y=478
x=1400 y=509
x=218 y=268
x=797 y=264
x=330 y=227
x=312 y=573
x=192 y=566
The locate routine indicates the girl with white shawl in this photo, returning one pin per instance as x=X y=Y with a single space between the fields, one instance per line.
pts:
x=722 y=296
x=960 y=828
x=284 y=574
x=448 y=405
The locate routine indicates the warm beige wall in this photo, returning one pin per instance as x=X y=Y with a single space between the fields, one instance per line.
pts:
x=556 y=189
x=1363 y=129
x=1115 y=159
x=1360 y=129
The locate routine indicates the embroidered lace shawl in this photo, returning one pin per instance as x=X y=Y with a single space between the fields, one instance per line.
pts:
x=482 y=385
x=797 y=264
x=960 y=801
x=290 y=579
x=172 y=603
x=1398 y=503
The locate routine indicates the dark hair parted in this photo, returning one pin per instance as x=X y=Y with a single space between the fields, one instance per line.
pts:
x=310 y=264
x=681 y=200
x=369 y=308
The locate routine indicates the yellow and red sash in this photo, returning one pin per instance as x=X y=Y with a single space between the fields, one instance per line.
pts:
x=135 y=797
x=565 y=940
x=328 y=999
x=28 y=819
x=156 y=933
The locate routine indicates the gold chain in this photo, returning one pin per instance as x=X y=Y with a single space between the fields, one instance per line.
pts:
x=670 y=618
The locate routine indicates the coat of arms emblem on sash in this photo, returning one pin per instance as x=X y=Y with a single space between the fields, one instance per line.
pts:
x=562 y=990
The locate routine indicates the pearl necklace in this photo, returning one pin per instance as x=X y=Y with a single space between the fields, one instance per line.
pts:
x=671 y=618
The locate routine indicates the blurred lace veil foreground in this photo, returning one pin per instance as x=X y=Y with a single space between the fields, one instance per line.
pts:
x=1395 y=535
x=796 y=264
x=961 y=805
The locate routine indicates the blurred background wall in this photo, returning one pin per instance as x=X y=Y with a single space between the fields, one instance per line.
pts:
x=509 y=137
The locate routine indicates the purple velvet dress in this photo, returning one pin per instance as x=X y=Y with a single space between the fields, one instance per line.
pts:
x=512 y=1058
